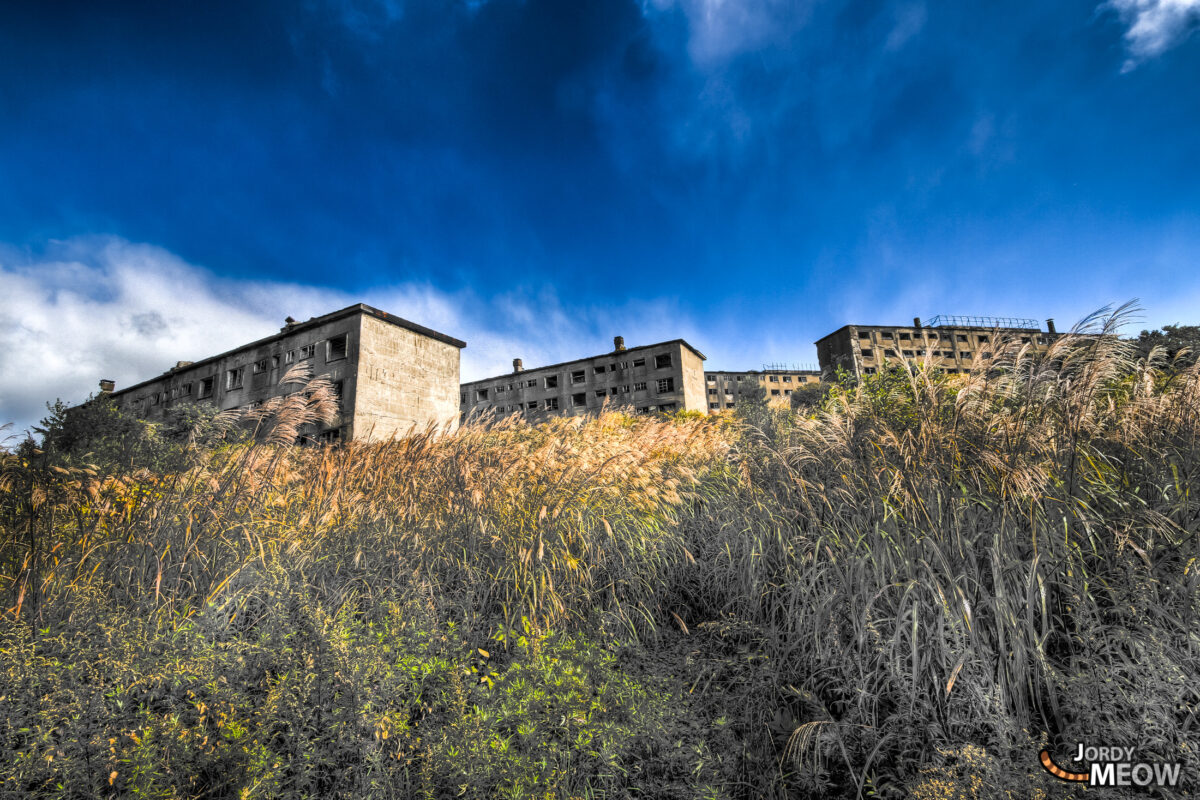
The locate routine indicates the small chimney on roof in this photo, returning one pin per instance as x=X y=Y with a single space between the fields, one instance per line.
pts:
x=619 y=344
x=1050 y=325
x=107 y=385
x=182 y=364
x=916 y=322
x=517 y=365
x=288 y=324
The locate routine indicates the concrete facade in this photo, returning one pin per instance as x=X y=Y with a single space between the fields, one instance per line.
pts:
x=668 y=376
x=391 y=375
x=724 y=388
x=950 y=343
x=407 y=380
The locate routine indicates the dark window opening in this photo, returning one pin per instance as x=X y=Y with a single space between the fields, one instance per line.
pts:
x=662 y=360
x=335 y=349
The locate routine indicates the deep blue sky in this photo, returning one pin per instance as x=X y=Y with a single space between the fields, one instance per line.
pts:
x=762 y=171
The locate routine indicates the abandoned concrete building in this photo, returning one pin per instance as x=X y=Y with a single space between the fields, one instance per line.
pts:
x=391 y=375
x=667 y=376
x=724 y=389
x=949 y=342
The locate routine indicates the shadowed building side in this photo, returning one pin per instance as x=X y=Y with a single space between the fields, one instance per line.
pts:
x=391 y=375
x=950 y=343
x=725 y=387
x=665 y=377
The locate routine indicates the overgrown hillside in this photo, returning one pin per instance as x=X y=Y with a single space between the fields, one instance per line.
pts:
x=908 y=591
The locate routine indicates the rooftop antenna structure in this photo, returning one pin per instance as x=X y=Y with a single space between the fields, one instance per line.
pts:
x=782 y=366
x=955 y=321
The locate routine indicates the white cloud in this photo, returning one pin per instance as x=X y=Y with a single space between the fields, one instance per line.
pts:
x=1154 y=26
x=102 y=307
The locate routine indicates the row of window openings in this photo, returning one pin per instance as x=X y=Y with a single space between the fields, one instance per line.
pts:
x=661 y=361
x=235 y=378
x=774 y=392
x=873 y=370
x=662 y=386
x=577 y=400
x=904 y=337
x=335 y=350
x=184 y=391
x=868 y=352
x=982 y=338
x=771 y=378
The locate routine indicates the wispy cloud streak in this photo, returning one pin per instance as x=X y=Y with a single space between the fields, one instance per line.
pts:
x=1155 y=26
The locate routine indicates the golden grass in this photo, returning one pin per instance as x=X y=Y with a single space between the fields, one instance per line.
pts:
x=927 y=562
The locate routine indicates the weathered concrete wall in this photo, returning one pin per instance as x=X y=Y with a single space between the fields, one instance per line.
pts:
x=693 y=380
x=726 y=387
x=245 y=377
x=863 y=349
x=405 y=381
x=391 y=375
x=629 y=378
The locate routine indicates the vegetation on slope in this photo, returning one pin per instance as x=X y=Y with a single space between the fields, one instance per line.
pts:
x=907 y=589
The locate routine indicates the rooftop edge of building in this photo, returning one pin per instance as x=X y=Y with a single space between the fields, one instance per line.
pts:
x=917 y=326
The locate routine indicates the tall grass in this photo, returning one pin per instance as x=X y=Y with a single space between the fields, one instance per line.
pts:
x=906 y=593
x=1004 y=559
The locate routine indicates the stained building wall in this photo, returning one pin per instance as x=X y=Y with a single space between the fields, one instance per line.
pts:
x=391 y=375
x=668 y=376
x=726 y=388
x=864 y=349
x=406 y=381
x=251 y=375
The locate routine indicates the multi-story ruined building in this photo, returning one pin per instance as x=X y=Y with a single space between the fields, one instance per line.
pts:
x=723 y=389
x=391 y=375
x=949 y=342
x=667 y=376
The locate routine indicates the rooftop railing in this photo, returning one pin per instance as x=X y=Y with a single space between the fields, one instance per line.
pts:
x=779 y=366
x=952 y=321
